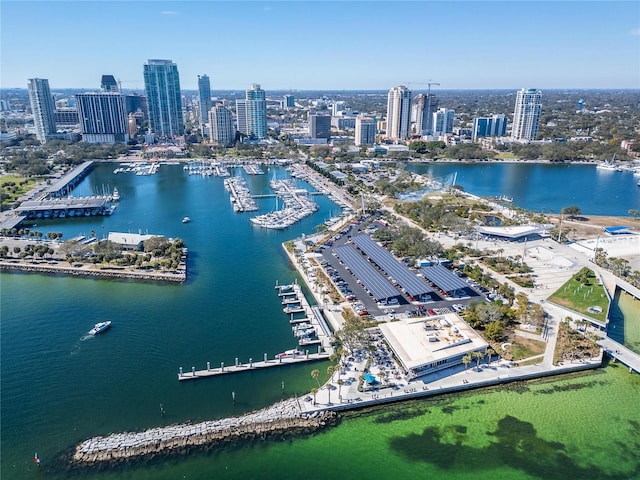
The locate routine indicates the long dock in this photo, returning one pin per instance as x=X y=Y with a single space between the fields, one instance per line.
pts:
x=252 y=366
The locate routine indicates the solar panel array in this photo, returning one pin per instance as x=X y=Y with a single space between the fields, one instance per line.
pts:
x=443 y=278
x=413 y=285
x=375 y=283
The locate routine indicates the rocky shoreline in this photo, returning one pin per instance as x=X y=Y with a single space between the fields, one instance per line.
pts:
x=57 y=269
x=282 y=419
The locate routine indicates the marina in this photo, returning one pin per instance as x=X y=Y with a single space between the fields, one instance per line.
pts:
x=239 y=195
x=297 y=205
x=138 y=168
x=66 y=207
x=207 y=169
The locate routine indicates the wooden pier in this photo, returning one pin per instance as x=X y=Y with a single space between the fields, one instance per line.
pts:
x=239 y=367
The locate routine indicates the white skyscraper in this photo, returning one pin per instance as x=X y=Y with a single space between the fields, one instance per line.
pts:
x=221 y=126
x=398 y=113
x=526 y=115
x=42 y=107
x=443 y=121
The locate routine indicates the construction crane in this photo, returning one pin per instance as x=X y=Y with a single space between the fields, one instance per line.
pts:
x=429 y=83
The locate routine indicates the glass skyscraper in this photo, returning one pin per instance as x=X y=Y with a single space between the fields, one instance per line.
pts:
x=204 y=91
x=256 y=105
x=42 y=107
x=162 y=86
x=526 y=115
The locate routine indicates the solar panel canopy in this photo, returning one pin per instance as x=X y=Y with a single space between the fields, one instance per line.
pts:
x=443 y=278
x=375 y=283
x=412 y=284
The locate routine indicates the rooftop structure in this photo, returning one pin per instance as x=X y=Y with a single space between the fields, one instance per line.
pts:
x=446 y=280
x=414 y=286
x=424 y=346
x=517 y=231
x=378 y=286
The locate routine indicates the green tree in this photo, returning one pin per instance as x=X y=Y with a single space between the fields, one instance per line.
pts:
x=315 y=374
x=634 y=213
x=494 y=330
x=572 y=211
x=466 y=360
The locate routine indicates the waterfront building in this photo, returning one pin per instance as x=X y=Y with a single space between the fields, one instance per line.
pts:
x=103 y=117
x=443 y=121
x=365 y=131
x=43 y=108
x=289 y=101
x=109 y=84
x=221 y=126
x=494 y=126
x=526 y=115
x=256 y=106
x=136 y=104
x=204 y=91
x=398 y=113
x=320 y=126
x=162 y=86
x=425 y=106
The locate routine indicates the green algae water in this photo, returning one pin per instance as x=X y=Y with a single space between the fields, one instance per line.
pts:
x=60 y=387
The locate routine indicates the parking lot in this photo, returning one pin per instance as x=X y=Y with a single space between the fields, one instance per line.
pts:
x=363 y=303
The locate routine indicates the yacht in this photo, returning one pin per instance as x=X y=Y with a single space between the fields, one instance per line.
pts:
x=289 y=353
x=186 y=220
x=116 y=195
x=100 y=327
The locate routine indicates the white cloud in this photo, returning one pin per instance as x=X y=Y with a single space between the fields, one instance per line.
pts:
x=168 y=12
x=635 y=32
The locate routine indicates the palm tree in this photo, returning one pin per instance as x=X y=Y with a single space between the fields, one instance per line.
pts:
x=478 y=356
x=315 y=374
x=328 y=387
x=490 y=353
x=466 y=360
x=314 y=391
x=340 y=383
x=330 y=371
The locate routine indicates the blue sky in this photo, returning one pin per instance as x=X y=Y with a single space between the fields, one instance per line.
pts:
x=331 y=45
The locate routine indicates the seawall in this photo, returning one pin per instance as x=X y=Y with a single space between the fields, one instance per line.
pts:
x=56 y=269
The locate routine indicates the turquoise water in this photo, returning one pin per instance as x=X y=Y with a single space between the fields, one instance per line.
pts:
x=59 y=388
x=545 y=187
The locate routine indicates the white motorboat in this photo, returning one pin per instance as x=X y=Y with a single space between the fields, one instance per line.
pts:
x=116 y=195
x=186 y=220
x=100 y=327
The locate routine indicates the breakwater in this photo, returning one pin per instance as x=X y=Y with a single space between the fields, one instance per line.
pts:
x=283 y=418
x=55 y=269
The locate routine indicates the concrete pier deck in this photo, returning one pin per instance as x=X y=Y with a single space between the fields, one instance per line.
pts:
x=252 y=366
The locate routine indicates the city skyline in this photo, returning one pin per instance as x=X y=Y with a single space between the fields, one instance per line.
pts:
x=551 y=45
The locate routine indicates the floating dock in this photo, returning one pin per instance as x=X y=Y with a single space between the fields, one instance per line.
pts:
x=251 y=365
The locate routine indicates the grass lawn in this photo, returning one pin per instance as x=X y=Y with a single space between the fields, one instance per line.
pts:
x=506 y=156
x=579 y=297
x=525 y=347
x=13 y=186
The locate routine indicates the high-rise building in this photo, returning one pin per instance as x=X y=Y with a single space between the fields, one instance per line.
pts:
x=425 y=106
x=289 y=101
x=103 y=117
x=256 y=104
x=162 y=86
x=221 y=126
x=204 y=90
x=320 y=126
x=109 y=84
x=494 y=126
x=365 y=131
x=443 y=121
x=398 y=113
x=43 y=108
x=526 y=115
x=241 y=116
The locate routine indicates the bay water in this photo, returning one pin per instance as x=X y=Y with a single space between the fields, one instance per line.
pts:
x=60 y=386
